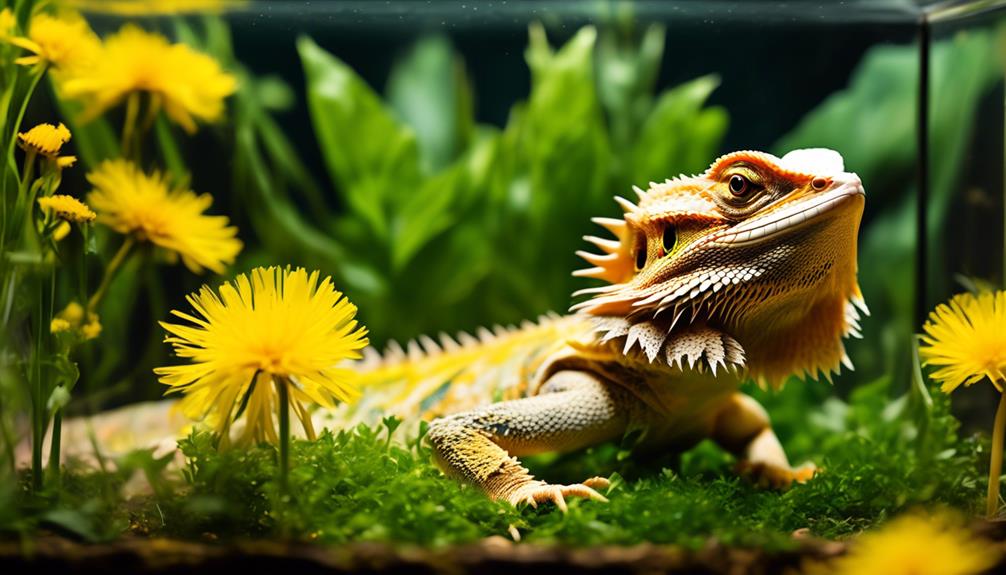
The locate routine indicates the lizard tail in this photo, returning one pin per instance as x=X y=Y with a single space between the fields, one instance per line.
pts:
x=423 y=379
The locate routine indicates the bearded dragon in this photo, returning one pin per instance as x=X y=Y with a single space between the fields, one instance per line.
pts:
x=747 y=270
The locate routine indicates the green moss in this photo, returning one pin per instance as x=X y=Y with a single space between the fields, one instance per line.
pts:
x=878 y=458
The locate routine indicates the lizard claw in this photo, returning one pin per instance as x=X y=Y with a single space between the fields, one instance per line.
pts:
x=537 y=492
x=770 y=476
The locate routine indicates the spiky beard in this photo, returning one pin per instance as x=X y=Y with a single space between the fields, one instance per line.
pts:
x=734 y=292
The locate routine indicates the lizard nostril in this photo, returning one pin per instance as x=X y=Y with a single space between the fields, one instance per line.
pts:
x=819 y=183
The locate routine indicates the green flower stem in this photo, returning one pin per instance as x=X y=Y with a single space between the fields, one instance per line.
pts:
x=129 y=125
x=54 y=445
x=284 y=432
x=153 y=108
x=28 y=172
x=8 y=440
x=110 y=271
x=33 y=83
x=995 y=469
x=38 y=414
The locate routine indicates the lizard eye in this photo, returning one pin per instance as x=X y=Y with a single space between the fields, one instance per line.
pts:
x=739 y=185
x=670 y=238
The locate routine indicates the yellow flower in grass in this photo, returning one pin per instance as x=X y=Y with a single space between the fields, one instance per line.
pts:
x=278 y=326
x=92 y=328
x=188 y=84
x=72 y=319
x=144 y=206
x=914 y=545
x=965 y=339
x=44 y=139
x=67 y=208
x=66 y=42
x=59 y=325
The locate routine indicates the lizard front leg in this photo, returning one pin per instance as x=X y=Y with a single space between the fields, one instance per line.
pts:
x=742 y=427
x=575 y=409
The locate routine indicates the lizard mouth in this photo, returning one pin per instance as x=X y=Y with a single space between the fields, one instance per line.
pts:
x=793 y=217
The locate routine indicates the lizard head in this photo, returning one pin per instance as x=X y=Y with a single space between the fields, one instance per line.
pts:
x=760 y=247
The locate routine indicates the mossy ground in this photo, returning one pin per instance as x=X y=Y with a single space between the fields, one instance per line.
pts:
x=878 y=457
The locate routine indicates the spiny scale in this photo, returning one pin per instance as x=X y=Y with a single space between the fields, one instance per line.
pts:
x=419 y=379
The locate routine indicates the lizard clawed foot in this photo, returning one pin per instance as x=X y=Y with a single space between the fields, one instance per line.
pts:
x=770 y=476
x=537 y=492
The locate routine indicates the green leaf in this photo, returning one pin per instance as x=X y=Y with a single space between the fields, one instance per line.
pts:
x=424 y=215
x=372 y=159
x=169 y=149
x=430 y=92
x=275 y=94
x=73 y=522
x=251 y=168
x=870 y=121
x=441 y=201
x=679 y=135
x=551 y=171
x=626 y=76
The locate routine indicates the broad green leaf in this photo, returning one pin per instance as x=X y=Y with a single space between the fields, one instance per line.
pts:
x=424 y=215
x=430 y=92
x=679 y=135
x=626 y=76
x=72 y=522
x=555 y=163
x=440 y=202
x=872 y=122
x=372 y=159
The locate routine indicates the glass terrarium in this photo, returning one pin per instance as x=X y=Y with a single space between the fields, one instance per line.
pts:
x=305 y=273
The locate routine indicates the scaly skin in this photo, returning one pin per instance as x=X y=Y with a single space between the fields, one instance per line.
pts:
x=746 y=270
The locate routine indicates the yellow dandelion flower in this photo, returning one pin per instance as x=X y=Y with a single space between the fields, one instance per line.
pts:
x=92 y=328
x=44 y=139
x=276 y=326
x=915 y=545
x=966 y=340
x=67 y=208
x=72 y=319
x=131 y=202
x=188 y=84
x=66 y=42
x=59 y=325
x=7 y=23
x=73 y=312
